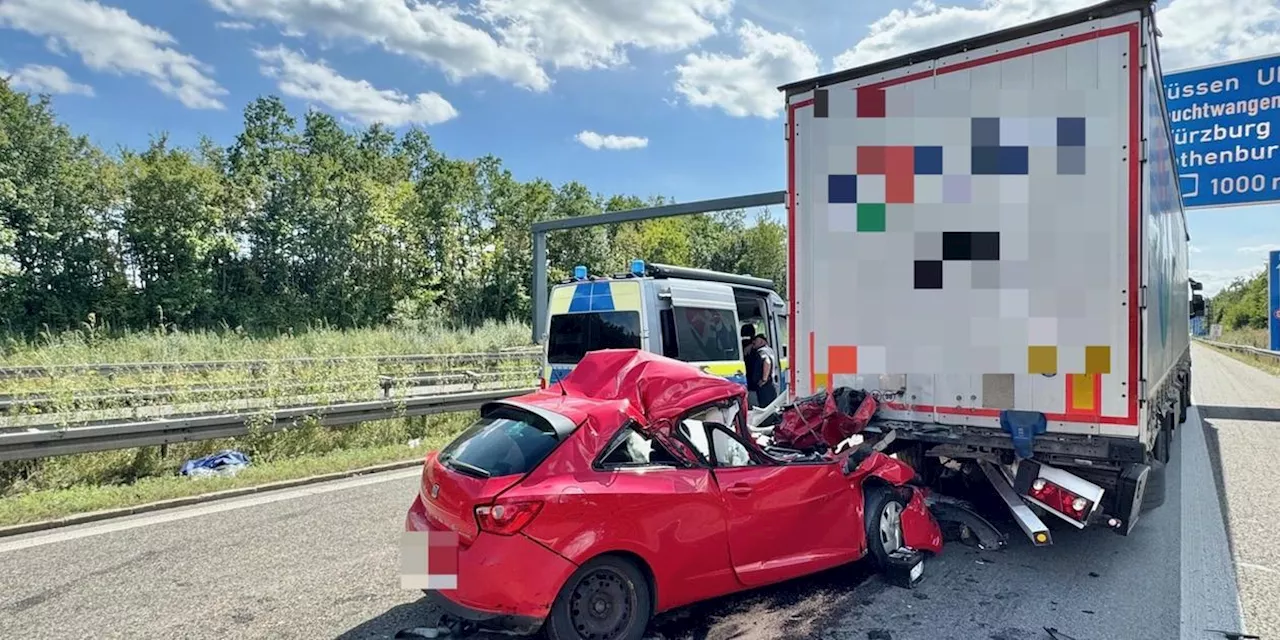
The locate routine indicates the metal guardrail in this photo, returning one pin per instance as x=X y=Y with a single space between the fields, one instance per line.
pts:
x=37 y=371
x=39 y=443
x=1241 y=348
x=144 y=396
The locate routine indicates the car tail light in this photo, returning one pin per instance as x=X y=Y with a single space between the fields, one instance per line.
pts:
x=1060 y=499
x=507 y=518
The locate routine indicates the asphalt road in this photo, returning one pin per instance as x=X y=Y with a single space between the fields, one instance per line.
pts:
x=320 y=562
x=1249 y=450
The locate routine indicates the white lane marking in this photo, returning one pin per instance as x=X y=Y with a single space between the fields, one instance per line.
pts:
x=1210 y=597
x=182 y=513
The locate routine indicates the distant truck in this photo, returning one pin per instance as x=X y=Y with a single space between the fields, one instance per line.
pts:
x=989 y=236
x=692 y=315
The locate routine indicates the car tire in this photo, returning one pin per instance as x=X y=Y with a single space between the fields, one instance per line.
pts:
x=883 y=508
x=607 y=598
x=1155 y=492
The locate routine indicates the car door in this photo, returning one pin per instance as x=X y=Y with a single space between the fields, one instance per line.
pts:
x=783 y=520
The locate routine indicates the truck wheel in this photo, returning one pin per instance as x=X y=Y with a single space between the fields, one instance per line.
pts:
x=1162 y=444
x=607 y=597
x=883 y=516
x=1154 y=495
x=926 y=468
x=1184 y=400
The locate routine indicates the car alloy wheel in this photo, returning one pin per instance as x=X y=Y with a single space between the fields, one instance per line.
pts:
x=891 y=527
x=882 y=522
x=602 y=605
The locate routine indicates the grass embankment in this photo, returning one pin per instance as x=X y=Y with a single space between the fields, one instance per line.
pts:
x=1248 y=337
x=47 y=488
x=91 y=345
x=1270 y=365
x=52 y=488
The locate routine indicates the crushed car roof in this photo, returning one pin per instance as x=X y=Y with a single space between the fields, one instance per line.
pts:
x=650 y=386
x=656 y=386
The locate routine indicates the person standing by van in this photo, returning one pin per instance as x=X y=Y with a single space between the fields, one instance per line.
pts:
x=766 y=379
x=752 y=362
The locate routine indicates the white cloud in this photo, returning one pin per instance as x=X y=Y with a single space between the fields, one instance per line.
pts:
x=1261 y=248
x=1200 y=32
x=1195 y=31
x=40 y=78
x=1191 y=248
x=746 y=85
x=235 y=25
x=587 y=34
x=596 y=142
x=1215 y=280
x=316 y=81
x=109 y=39
x=925 y=24
x=433 y=33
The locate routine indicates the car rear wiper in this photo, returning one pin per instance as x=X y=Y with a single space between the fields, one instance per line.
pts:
x=469 y=469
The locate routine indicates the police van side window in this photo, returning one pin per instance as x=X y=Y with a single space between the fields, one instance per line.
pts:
x=692 y=334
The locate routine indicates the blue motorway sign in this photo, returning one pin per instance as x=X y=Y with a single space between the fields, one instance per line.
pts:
x=1273 y=298
x=1226 y=132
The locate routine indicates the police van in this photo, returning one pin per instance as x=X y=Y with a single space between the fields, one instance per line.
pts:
x=692 y=315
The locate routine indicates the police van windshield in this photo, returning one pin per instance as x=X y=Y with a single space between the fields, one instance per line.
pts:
x=572 y=335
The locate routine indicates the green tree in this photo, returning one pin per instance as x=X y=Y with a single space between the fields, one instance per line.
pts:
x=173 y=229
x=59 y=201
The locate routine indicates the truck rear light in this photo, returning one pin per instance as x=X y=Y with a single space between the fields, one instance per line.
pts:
x=1060 y=499
x=1062 y=493
x=507 y=518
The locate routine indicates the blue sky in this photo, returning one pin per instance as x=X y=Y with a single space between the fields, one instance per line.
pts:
x=671 y=97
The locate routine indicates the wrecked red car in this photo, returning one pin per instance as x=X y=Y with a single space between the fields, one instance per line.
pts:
x=634 y=486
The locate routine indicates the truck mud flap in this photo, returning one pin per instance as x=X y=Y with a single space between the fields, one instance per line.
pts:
x=1129 y=496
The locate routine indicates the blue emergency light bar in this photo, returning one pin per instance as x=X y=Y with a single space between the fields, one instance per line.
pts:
x=637 y=267
x=580 y=272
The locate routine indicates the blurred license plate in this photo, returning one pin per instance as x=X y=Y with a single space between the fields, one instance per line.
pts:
x=429 y=560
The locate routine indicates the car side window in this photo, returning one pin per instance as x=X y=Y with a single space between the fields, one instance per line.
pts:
x=710 y=432
x=694 y=431
x=729 y=451
x=635 y=449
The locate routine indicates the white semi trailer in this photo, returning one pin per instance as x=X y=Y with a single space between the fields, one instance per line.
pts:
x=990 y=236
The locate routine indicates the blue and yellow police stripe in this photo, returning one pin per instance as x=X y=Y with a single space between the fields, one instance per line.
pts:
x=586 y=297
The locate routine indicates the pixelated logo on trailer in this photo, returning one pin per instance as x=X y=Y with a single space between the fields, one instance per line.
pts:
x=887 y=175
x=955 y=234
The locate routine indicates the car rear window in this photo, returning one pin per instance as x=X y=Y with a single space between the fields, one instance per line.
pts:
x=503 y=443
x=572 y=335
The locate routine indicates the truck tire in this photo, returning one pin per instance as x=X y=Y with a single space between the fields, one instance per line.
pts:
x=1154 y=495
x=1164 y=439
x=1184 y=400
x=927 y=469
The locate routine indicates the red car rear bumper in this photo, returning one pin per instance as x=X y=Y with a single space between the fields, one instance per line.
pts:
x=507 y=582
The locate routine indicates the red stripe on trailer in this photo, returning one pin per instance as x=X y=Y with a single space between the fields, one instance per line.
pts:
x=1135 y=191
x=1135 y=207
x=791 y=246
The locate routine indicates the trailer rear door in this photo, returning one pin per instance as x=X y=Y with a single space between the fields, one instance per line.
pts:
x=965 y=229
